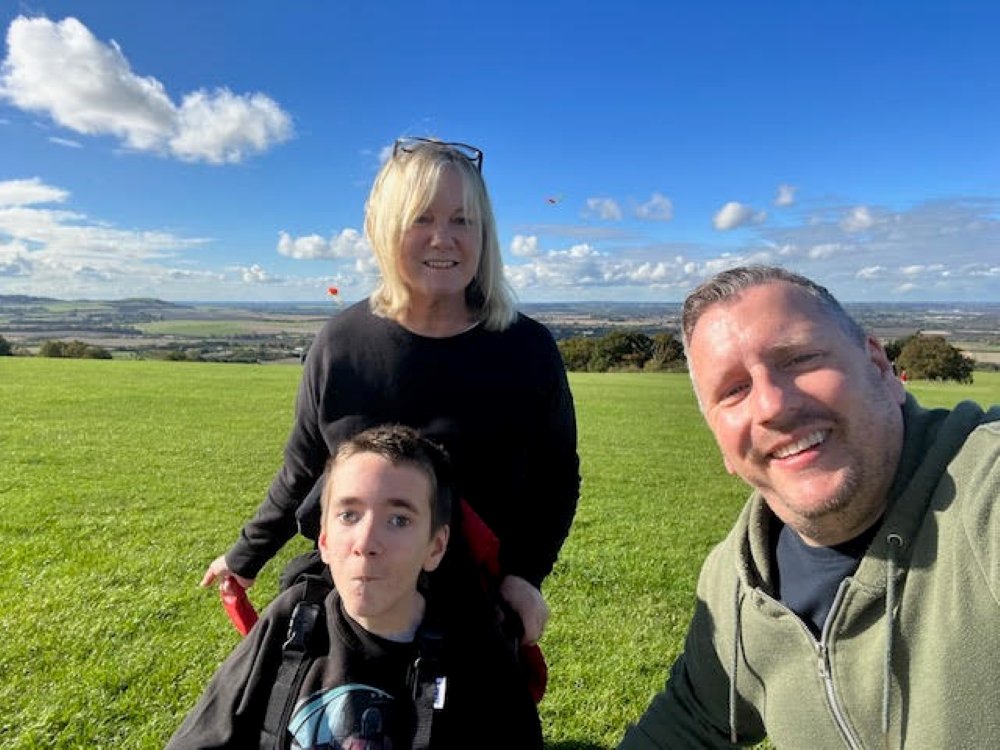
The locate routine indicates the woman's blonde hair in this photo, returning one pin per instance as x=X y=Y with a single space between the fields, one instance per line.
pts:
x=403 y=189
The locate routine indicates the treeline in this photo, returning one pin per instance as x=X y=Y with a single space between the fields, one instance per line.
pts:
x=73 y=350
x=918 y=357
x=60 y=349
x=623 y=351
x=248 y=354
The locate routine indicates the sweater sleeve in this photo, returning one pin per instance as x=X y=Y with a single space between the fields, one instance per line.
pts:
x=552 y=476
x=230 y=712
x=306 y=453
x=693 y=710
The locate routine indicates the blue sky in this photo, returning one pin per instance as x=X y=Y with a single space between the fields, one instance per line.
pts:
x=223 y=150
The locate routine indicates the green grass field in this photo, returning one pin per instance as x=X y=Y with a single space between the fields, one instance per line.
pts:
x=222 y=328
x=121 y=480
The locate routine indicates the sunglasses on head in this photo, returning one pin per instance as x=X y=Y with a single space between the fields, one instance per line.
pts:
x=409 y=145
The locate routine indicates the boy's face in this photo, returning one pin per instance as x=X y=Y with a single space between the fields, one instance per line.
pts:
x=377 y=539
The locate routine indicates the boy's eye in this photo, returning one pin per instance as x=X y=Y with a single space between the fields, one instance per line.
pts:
x=461 y=221
x=422 y=220
x=348 y=516
x=400 y=521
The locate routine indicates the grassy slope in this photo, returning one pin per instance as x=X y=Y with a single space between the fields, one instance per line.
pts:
x=121 y=480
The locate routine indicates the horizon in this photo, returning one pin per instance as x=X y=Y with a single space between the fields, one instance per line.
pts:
x=341 y=304
x=631 y=151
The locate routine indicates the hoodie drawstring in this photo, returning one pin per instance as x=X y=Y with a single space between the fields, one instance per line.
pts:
x=895 y=544
x=735 y=662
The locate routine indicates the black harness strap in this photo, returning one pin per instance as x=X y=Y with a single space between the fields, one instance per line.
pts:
x=426 y=677
x=295 y=661
x=428 y=682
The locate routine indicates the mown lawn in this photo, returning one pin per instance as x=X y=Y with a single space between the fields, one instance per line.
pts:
x=120 y=480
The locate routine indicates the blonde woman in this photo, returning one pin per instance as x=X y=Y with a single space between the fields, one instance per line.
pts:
x=439 y=347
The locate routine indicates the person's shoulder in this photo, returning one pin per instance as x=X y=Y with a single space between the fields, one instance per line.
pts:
x=351 y=316
x=525 y=322
x=283 y=604
x=726 y=561
x=526 y=331
x=349 y=323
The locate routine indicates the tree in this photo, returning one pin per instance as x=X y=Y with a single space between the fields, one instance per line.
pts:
x=576 y=352
x=933 y=358
x=893 y=348
x=668 y=353
x=623 y=349
x=5 y=347
x=52 y=348
x=73 y=349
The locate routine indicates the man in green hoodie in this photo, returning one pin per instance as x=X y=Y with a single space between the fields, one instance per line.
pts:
x=856 y=602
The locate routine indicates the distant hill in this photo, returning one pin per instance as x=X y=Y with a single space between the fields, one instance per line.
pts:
x=23 y=299
x=129 y=303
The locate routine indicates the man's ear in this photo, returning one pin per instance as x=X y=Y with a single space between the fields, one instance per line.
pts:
x=436 y=548
x=878 y=357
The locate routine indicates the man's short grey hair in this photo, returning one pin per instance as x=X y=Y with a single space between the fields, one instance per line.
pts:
x=729 y=284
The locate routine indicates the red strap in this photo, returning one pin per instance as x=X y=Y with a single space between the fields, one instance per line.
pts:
x=484 y=546
x=483 y=543
x=237 y=605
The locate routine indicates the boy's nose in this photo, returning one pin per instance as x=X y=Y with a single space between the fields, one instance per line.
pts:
x=367 y=542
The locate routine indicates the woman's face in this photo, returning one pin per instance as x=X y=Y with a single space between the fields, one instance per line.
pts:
x=440 y=251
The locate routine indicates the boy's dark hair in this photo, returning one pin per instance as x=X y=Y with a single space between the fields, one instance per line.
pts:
x=401 y=445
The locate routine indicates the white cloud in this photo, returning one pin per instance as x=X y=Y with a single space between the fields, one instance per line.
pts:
x=870 y=272
x=606 y=209
x=858 y=219
x=14 y=260
x=657 y=208
x=524 y=246
x=584 y=266
x=65 y=253
x=825 y=250
x=224 y=127
x=734 y=214
x=65 y=142
x=350 y=243
x=29 y=192
x=255 y=274
x=61 y=69
x=786 y=195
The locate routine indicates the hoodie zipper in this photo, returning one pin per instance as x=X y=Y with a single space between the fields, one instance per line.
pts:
x=824 y=671
x=823 y=663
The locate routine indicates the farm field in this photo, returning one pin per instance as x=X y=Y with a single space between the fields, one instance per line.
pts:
x=121 y=480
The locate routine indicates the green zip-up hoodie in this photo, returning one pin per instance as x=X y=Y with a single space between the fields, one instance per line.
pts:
x=910 y=653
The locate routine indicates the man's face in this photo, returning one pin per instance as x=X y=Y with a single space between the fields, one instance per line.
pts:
x=800 y=412
x=377 y=539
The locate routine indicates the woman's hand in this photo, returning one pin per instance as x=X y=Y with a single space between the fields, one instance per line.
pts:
x=219 y=567
x=529 y=604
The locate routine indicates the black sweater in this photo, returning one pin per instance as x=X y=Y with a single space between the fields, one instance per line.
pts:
x=498 y=402
x=358 y=681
